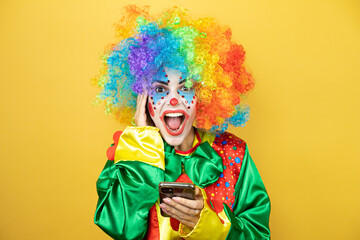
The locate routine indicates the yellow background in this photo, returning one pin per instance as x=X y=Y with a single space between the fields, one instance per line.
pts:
x=303 y=133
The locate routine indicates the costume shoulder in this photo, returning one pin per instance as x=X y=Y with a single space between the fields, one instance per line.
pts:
x=111 y=150
x=230 y=147
x=140 y=144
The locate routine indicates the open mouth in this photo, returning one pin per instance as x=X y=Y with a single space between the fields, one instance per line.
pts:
x=174 y=121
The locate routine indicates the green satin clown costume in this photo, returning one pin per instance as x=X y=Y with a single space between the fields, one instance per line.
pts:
x=236 y=204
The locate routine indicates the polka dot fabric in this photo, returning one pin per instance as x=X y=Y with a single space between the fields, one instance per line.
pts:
x=232 y=150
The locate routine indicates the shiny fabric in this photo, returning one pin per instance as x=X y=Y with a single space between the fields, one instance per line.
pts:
x=204 y=157
x=210 y=225
x=251 y=212
x=165 y=230
x=141 y=144
x=128 y=189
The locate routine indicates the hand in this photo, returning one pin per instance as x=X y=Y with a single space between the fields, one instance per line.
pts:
x=185 y=210
x=140 y=114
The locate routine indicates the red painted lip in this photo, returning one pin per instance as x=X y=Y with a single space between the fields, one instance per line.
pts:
x=182 y=126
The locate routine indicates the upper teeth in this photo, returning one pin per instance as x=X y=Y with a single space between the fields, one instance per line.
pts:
x=174 y=114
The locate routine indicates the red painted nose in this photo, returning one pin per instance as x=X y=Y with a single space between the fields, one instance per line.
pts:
x=173 y=101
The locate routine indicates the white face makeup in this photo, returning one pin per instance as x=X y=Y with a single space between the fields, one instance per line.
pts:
x=172 y=106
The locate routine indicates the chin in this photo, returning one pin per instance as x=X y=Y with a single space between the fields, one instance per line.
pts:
x=178 y=133
x=174 y=140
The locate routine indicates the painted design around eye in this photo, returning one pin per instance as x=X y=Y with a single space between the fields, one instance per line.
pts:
x=159 y=92
x=188 y=94
x=157 y=96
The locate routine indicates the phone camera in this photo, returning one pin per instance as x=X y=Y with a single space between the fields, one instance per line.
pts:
x=167 y=190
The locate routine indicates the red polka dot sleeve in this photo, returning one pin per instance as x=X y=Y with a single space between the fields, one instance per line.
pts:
x=240 y=191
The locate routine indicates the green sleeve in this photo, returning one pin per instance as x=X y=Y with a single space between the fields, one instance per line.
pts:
x=251 y=210
x=127 y=190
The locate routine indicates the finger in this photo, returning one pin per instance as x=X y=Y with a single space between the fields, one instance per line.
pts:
x=175 y=213
x=189 y=223
x=138 y=101
x=143 y=102
x=198 y=192
x=140 y=98
x=183 y=209
x=194 y=204
x=140 y=113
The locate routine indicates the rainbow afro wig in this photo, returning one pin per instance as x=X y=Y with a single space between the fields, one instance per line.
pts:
x=198 y=47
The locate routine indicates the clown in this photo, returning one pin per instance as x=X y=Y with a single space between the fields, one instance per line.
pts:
x=172 y=107
x=181 y=81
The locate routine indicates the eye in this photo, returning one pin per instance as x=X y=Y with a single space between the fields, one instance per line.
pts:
x=159 y=89
x=185 y=89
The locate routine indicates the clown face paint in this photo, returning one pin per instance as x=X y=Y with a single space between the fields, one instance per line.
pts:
x=173 y=106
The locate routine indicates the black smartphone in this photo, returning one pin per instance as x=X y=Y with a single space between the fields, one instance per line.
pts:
x=175 y=189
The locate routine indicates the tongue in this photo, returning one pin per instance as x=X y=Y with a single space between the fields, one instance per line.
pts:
x=173 y=122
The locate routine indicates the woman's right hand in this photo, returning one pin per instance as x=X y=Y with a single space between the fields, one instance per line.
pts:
x=140 y=114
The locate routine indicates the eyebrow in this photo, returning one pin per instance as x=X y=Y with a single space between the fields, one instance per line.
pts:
x=182 y=81
x=165 y=83
x=162 y=82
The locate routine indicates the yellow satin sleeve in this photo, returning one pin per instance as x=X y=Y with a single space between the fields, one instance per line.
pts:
x=143 y=144
x=209 y=225
x=165 y=229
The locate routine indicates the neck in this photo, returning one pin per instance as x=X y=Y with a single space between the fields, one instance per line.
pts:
x=188 y=142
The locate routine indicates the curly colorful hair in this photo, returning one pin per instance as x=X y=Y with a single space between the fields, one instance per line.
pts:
x=199 y=47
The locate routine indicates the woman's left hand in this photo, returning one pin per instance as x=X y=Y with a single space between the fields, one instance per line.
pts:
x=185 y=210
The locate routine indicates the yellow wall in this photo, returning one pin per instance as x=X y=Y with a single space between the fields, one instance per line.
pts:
x=303 y=133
